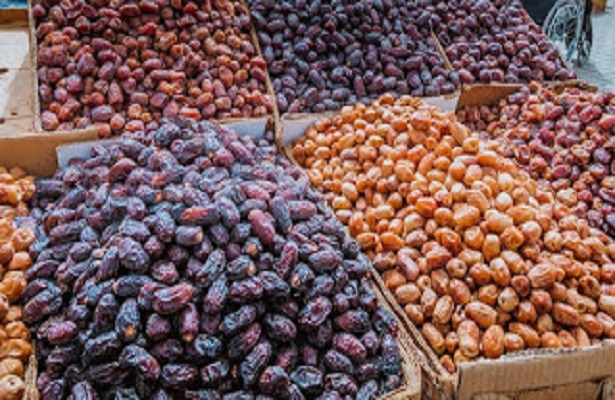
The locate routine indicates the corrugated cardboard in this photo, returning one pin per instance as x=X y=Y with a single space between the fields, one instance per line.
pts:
x=490 y=94
x=575 y=374
x=485 y=94
x=36 y=152
x=19 y=144
x=31 y=392
x=15 y=75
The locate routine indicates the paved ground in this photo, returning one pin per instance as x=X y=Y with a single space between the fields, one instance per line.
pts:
x=600 y=70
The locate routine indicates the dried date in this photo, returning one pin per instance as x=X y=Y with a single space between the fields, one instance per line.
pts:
x=191 y=283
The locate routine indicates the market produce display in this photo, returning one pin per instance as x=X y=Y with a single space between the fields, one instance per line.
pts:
x=326 y=54
x=495 y=41
x=564 y=139
x=182 y=261
x=125 y=65
x=191 y=263
x=15 y=348
x=482 y=258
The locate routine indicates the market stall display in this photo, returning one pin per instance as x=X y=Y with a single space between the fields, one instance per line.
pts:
x=183 y=259
x=124 y=66
x=326 y=54
x=191 y=263
x=483 y=259
x=564 y=139
x=15 y=189
x=495 y=41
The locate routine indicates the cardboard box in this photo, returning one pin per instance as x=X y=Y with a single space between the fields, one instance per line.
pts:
x=566 y=374
x=444 y=102
x=33 y=82
x=16 y=107
x=411 y=388
x=499 y=85
x=20 y=145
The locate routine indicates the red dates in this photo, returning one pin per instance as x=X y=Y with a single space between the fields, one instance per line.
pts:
x=495 y=41
x=168 y=60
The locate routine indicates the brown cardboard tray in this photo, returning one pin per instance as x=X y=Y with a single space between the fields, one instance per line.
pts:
x=489 y=94
x=64 y=151
x=566 y=374
x=445 y=102
x=22 y=143
x=16 y=107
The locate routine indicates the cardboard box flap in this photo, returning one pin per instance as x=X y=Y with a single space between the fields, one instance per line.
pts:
x=253 y=127
x=36 y=152
x=294 y=127
x=446 y=102
x=543 y=370
x=485 y=94
x=16 y=106
x=80 y=150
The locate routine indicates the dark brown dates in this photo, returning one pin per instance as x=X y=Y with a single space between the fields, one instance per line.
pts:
x=324 y=55
x=201 y=278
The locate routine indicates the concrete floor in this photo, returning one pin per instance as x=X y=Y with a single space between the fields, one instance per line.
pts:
x=600 y=70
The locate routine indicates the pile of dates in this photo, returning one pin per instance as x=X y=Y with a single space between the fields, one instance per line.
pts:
x=191 y=264
x=563 y=139
x=326 y=54
x=483 y=259
x=495 y=41
x=124 y=65
x=15 y=188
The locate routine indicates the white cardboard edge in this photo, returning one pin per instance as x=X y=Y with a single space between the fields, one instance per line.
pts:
x=81 y=150
x=293 y=129
x=446 y=103
x=254 y=128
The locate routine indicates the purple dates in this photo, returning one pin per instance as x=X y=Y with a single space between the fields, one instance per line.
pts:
x=173 y=299
x=351 y=346
x=262 y=226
